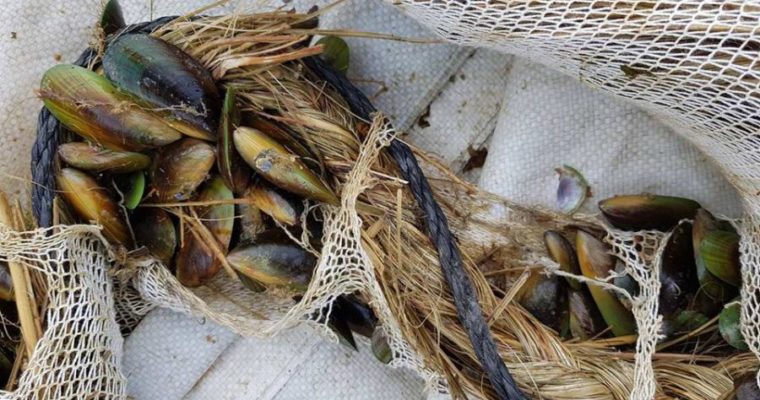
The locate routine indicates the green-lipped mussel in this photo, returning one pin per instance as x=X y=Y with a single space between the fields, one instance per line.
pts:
x=180 y=168
x=562 y=252
x=88 y=157
x=596 y=262
x=232 y=168
x=545 y=297
x=154 y=229
x=95 y=109
x=719 y=251
x=647 y=211
x=279 y=166
x=280 y=206
x=169 y=79
x=585 y=320
x=729 y=324
x=678 y=273
x=92 y=203
x=274 y=261
x=196 y=262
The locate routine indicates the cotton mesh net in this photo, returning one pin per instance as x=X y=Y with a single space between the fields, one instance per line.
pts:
x=79 y=354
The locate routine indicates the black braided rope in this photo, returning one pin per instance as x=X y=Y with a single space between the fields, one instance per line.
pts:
x=49 y=131
x=468 y=309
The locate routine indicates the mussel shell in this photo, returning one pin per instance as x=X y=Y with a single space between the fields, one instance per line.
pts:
x=93 y=108
x=92 y=203
x=279 y=166
x=280 y=206
x=678 y=277
x=335 y=53
x=87 y=157
x=280 y=134
x=683 y=322
x=274 y=261
x=713 y=292
x=585 y=320
x=112 y=19
x=232 y=168
x=562 y=252
x=719 y=251
x=596 y=262
x=6 y=283
x=545 y=297
x=625 y=281
x=342 y=330
x=647 y=211
x=180 y=168
x=164 y=75
x=729 y=324
x=745 y=388
x=154 y=229
x=196 y=263
x=133 y=188
x=360 y=318
x=380 y=347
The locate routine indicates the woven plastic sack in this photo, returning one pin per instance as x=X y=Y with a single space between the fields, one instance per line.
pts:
x=79 y=354
x=692 y=63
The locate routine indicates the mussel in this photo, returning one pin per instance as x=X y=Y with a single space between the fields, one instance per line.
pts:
x=154 y=229
x=112 y=19
x=585 y=320
x=729 y=324
x=274 y=261
x=719 y=251
x=6 y=283
x=360 y=318
x=87 y=157
x=167 y=78
x=232 y=168
x=712 y=291
x=93 y=108
x=678 y=272
x=196 y=262
x=181 y=168
x=92 y=203
x=745 y=388
x=545 y=298
x=280 y=206
x=647 y=211
x=380 y=347
x=562 y=252
x=596 y=262
x=279 y=166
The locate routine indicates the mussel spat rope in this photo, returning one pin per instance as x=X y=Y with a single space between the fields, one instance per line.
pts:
x=468 y=309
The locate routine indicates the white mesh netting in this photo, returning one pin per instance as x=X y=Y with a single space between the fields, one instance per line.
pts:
x=79 y=354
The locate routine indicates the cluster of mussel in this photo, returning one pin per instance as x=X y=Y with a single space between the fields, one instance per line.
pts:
x=167 y=158
x=699 y=273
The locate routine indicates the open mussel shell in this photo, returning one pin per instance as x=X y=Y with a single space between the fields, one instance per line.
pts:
x=729 y=324
x=92 y=203
x=180 y=168
x=745 y=388
x=196 y=262
x=93 y=108
x=87 y=157
x=719 y=251
x=360 y=318
x=545 y=298
x=167 y=77
x=280 y=206
x=678 y=275
x=562 y=252
x=274 y=261
x=380 y=347
x=6 y=283
x=154 y=229
x=232 y=168
x=279 y=166
x=585 y=320
x=647 y=211
x=596 y=262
